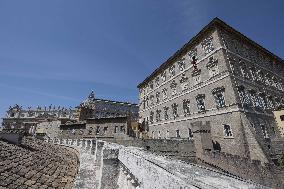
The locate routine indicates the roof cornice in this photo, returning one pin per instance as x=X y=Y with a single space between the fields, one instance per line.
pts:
x=215 y=22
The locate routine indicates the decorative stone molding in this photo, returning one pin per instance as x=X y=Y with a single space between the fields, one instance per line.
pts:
x=196 y=72
x=212 y=62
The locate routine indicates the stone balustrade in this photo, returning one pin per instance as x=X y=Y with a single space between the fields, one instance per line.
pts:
x=109 y=165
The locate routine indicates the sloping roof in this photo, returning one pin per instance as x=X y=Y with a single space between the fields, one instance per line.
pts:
x=214 y=22
x=114 y=102
x=92 y=98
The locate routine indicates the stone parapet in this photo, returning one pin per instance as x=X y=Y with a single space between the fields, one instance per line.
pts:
x=266 y=174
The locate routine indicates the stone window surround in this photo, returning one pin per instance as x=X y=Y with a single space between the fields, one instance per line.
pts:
x=191 y=53
x=207 y=44
x=158 y=115
x=194 y=88
x=254 y=82
x=265 y=94
x=181 y=64
x=253 y=53
x=200 y=96
x=172 y=70
x=208 y=55
x=209 y=113
x=217 y=90
x=175 y=110
x=166 y=112
x=186 y=107
x=228 y=137
x=264 y=130
x=186 y=69
x=253 y=63
x=258 y=86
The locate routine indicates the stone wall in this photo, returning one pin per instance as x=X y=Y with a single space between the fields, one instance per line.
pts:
x=158 y=172
x=268 y=174
x=99 y=164
x=109 y=165
x=180 y=149
x=258 y=171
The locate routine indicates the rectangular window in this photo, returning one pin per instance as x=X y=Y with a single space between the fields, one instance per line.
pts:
x=158 y=115
x=175 y=110
x=105 y=129
x=227 y=131
x=214 y=70
x=190 y=134
x=207 y=45
x=158 y=97
x=181 y=65
x=177 y=134
x=165 y=93
x=152 y=100
x=172 y=71
x=200 y=102
x=174 y=88
x=282 y=117
x=122 y=129
x=151 y=117
x=157 y=80
x=196 y=79
x=218 y=94
x=166 y=115
x=183 y=82
x=264 y=131
x=159 y=134
x=116 y=128
x=164 y=76
x=151 y=85
x=98 y=130
x=186 y=107
x=253 y=73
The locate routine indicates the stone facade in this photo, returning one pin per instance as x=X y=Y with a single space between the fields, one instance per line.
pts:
x=279 y=117
x=28 y=119
x=92 y=118
x=218 y=76
x=94 y=108
x=106 y=128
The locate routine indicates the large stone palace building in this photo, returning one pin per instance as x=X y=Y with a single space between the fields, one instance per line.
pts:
x=223 y=77
x=93 y=117
x=102 y=118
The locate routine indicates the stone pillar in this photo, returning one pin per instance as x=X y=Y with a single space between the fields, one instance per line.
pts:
x=202 y=137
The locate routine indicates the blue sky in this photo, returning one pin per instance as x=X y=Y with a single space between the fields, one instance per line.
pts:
x=57 y=51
